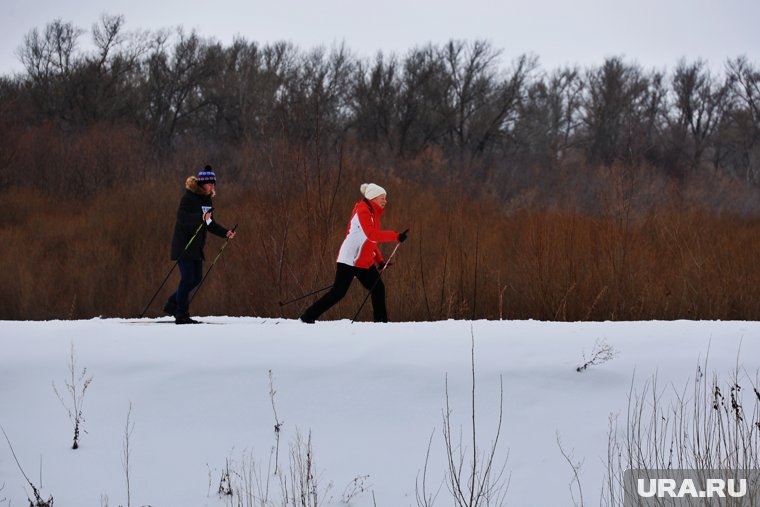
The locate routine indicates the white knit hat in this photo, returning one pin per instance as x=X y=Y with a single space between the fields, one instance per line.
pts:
x=370 y=190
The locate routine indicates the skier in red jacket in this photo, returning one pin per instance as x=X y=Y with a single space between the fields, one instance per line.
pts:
x=359 y=256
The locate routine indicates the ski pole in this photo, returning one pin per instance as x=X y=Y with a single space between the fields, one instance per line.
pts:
x=170 y=271
x=305 y=295
x=376 y=282
x=211 y=266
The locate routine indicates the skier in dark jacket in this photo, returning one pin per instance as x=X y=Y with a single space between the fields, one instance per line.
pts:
x=194 y=218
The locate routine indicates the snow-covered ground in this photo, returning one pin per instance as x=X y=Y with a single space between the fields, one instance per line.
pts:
x=370 y=396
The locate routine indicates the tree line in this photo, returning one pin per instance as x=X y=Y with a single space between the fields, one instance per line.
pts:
x=169 y=89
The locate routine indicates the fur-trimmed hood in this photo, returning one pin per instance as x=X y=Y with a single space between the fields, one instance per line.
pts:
x=191 y=184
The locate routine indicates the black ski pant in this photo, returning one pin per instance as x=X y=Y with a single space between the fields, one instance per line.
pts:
x=344 y=275
x=191 y=272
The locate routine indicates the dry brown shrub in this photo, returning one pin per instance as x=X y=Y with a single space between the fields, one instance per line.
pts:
x=637 y=252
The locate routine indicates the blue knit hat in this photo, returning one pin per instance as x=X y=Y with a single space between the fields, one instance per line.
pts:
x=207 y=175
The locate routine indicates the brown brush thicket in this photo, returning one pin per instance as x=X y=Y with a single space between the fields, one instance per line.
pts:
x=646 y=252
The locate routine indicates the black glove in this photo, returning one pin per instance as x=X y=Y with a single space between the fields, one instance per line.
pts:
x=402 y=236
x=383 y=265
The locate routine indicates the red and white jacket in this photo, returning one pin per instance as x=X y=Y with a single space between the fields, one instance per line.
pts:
x=364 y=233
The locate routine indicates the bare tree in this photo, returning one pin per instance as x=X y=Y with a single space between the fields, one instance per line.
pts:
x=699 y=103
x=49 y=58
x=472 y=73
x=549 y=117
x=374 y=101
x=50 y=53
x=746 y=80
x=619 y=102
x=741 y=133
x=174 y=84
x=424 y=109
x=245 y=91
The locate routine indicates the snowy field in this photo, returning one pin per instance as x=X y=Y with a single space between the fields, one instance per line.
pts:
x=370 y=396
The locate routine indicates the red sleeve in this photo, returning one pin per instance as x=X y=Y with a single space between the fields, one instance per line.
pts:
x=368 y=226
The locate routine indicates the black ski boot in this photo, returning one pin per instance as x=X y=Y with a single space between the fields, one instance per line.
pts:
x=185 y=319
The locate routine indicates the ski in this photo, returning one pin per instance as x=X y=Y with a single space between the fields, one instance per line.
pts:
x=169 y=322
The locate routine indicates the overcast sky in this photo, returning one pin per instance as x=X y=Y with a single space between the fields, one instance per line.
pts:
x=652 y=33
